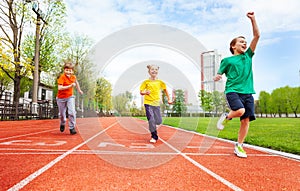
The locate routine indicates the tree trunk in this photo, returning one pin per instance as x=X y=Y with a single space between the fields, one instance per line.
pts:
x=17 y=92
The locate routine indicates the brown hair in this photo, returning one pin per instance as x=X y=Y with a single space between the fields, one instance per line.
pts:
x=233 y=42
x=68 y=65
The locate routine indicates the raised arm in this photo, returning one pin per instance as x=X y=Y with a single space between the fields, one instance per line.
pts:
x=255 y=30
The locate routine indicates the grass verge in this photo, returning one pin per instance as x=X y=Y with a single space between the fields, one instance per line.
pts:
x=282 y=134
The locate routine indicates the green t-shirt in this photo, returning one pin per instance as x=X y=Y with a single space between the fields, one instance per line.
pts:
x=238 y=70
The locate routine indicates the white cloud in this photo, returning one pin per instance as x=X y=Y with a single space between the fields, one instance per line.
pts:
x=213 y=23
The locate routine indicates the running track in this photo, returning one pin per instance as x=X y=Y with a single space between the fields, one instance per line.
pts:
x=115 y=154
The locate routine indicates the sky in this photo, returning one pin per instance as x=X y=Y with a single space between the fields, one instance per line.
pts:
x=214 y=23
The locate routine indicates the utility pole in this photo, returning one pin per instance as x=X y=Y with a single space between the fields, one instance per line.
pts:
x=36 y=62
x=39 y=18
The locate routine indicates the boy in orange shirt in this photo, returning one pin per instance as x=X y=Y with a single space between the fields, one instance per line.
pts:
x=65 y=98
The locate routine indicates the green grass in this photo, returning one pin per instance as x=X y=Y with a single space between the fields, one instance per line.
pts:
x=282 y=134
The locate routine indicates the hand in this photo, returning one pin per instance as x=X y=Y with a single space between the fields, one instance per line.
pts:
x=74 y=84
x=250 y=15
x=217 y=77
x=146 y=92
x=81 y=92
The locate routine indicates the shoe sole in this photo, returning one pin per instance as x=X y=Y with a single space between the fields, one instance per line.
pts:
x=239 y=155
x=62 y=129
x=73 y=132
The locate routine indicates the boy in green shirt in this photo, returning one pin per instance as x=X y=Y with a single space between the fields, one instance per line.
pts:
x=239 y=84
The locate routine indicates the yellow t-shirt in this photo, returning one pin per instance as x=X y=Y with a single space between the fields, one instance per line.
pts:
x=155 y=87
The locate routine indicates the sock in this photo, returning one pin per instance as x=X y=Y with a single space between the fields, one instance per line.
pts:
x=228 y=117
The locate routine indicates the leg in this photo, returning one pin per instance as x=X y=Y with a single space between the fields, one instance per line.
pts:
x=248 y=116
x=151 y=121
x=245 y=119
x=237 y=109
x=238 y=113
x=71 y=112
x=243 y=130
x=62 y=108
x=157 y=115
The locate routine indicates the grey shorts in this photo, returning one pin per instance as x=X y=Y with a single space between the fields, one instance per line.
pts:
x=237 y=101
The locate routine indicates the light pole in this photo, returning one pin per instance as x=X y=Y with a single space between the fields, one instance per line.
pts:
x=39 y=17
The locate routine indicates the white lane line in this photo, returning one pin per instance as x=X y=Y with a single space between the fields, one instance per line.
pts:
x=216 y=176
x=24 y=135
x=290 y=156
x=31 y=177
x=92 y=152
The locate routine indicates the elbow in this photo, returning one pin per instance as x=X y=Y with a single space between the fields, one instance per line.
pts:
x=257 y=35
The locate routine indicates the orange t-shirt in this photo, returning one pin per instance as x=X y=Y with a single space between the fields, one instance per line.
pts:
x=65 y=81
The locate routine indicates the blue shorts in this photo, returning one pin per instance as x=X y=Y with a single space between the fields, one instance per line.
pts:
x=237 y=101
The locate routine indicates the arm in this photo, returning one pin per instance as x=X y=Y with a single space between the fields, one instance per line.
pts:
x=217 y=77
x=78 y=87
x=61 y=87
x=255 y=30
x=167 y=94
x=145 y=92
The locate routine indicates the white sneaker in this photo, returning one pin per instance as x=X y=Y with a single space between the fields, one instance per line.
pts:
x=220 y=124
x=152 y=140
x=239 y=151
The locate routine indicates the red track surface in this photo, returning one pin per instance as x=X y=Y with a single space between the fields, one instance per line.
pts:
x=115 y=154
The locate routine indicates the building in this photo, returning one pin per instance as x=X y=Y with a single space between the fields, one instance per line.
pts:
x=210 y=63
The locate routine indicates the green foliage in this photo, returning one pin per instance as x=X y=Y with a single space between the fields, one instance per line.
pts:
x=179 y=105
x=121 y=103
x=284 y=100
x=103 y=91
x=264 y=102
x=212 y=101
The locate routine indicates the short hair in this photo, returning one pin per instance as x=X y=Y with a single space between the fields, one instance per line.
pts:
x=68 y=65
x=233 y=42
x=152 y=65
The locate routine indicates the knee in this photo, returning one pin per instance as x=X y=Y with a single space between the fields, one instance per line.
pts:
x=240 y=112
x=151 y=120
x=245 y=122
x=158 y=122
x=71 y=113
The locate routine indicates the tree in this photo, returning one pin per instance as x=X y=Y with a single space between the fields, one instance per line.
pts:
x=5 y=81
x=279 y=102
x=179 y=105
x=103 y=92
x=13 y=16
x=207 y=103
x=121 y=103
x=78 y=52
x=264 y=102
x=293 y=99
x=219 y=102
x=52 y=42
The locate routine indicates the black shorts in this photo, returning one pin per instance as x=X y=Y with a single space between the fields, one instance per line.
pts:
x=237 y=101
